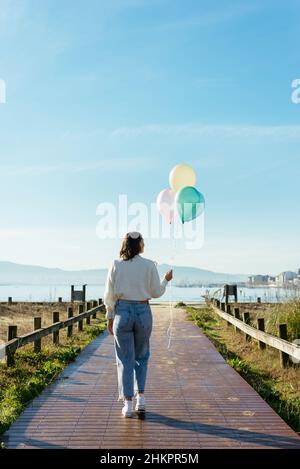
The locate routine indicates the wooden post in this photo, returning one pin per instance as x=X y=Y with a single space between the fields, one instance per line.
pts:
x=223 y=307
x=226 y=293
x=284 y=357
x=11 y=334
x=218 y=304
x=37 y=324
x=259 y=300
x=80 y=323
x=237 y=316
x=261 y=327
x=72 y=292
x=246 y=319
x=83 y=292
x=9 y=300
x=235 y=294
x=70 y=315
x=60 y=299
x=228 y=311
x=95 y=303
x=88 y=307
x=56 y=333
x=99 y=301
x=230 y=290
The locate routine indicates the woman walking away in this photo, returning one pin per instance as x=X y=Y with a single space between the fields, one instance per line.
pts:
x=131 y=281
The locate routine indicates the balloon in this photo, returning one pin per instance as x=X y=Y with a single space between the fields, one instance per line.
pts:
x=165 y=203
x=190 y=203
x=182 y=175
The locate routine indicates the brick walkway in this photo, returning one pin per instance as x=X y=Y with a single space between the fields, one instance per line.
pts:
x=194 y=400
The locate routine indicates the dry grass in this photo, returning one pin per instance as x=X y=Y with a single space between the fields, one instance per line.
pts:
x=22 y=315
x=275 y=314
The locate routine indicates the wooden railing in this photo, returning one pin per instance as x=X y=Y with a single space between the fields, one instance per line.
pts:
x=231 y=314
x=14 y=342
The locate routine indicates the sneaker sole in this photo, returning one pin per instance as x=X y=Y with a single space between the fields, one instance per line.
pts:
x=127 y=415
x=140 y=410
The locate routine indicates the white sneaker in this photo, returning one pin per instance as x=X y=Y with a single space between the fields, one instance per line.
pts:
x=127 y=409
x=140 y=403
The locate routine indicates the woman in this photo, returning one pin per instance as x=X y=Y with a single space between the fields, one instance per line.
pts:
x=131 y=282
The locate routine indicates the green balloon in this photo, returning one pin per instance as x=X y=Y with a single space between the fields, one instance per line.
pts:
x=190 y=203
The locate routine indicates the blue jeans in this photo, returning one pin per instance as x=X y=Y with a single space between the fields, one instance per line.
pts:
x=132 y=328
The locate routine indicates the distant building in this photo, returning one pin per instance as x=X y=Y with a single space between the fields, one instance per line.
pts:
x=259 y=280
x=286 y=277
x=297 y=281
x=279 y=279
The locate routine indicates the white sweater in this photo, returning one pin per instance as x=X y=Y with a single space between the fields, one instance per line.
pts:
x=136 y=279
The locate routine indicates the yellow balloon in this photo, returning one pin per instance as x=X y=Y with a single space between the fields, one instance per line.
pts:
x=182 y=175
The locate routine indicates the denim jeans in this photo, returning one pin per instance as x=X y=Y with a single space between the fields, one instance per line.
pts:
x=132 y=328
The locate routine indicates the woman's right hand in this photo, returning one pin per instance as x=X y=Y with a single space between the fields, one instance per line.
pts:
x=169 y=275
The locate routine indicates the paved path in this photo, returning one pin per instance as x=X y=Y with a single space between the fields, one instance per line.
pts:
x=194 y=400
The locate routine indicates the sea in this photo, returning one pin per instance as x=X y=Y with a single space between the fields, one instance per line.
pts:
x=173 y=293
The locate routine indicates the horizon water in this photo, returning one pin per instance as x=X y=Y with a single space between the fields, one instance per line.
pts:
x=49 y=293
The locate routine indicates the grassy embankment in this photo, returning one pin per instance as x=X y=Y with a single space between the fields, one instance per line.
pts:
x=34 y=371
x=261 y=369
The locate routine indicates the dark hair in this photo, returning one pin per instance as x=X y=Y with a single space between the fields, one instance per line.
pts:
x=131 y=245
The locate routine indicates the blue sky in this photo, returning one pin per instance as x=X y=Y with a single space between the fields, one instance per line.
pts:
x=105 y=97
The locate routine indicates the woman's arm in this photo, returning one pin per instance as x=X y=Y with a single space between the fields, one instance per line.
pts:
x=158 y=287
x=109 y=298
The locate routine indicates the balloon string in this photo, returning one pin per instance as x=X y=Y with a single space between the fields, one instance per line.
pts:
x=171 y=308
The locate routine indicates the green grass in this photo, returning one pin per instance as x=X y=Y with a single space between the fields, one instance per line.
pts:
x=286 y=313
x=261 y=369
x=32 y=372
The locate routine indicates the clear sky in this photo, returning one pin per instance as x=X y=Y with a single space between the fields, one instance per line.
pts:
x=104 y=97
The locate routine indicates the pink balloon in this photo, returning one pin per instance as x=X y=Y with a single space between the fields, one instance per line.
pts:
x=166 y=203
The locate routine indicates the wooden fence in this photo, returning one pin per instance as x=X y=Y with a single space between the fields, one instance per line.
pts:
x=231 y=314
x=14 y=342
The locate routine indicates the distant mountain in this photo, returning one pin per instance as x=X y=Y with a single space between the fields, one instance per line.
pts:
x=12 y=273
x=192 y=275
x=34 y=274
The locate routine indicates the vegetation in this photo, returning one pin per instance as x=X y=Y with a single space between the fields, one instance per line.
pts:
x=21 y=314
x=261 y=369
x=34 y=371
x=275 y=314
x=286 y=313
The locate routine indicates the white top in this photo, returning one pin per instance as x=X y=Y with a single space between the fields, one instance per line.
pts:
x=135 y=279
